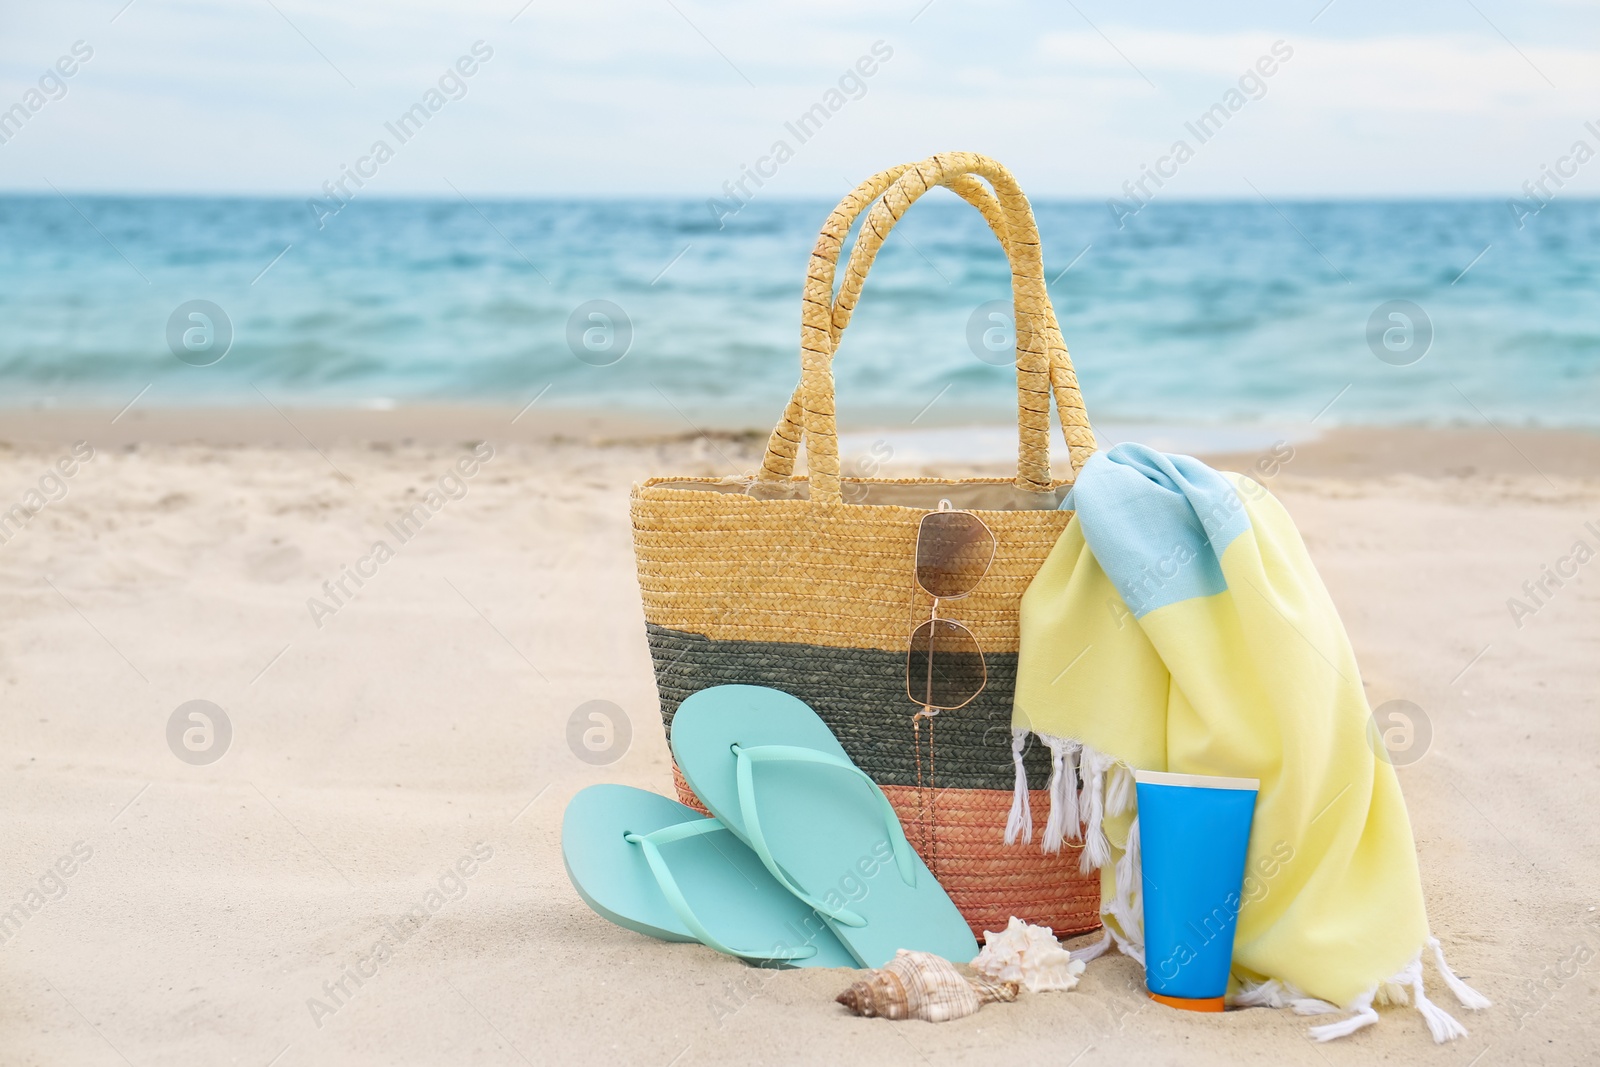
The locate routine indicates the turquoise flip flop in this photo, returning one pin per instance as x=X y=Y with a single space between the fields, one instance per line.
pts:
x=659 y=868
x=775 y=776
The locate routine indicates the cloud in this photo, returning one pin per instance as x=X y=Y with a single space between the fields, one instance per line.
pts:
x=647 y=97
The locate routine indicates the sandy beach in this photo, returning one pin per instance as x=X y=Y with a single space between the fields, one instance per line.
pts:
x=410 y=739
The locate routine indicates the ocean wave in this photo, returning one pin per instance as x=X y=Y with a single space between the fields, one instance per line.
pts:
x=1189 y=312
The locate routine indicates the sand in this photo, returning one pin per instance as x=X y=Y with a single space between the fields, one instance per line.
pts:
x=417 y=730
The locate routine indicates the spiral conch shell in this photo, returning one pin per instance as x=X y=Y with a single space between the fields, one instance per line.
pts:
x=920 y=985
x=1029 y=955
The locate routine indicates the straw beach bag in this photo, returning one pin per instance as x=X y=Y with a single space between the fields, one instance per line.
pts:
x=807 y=584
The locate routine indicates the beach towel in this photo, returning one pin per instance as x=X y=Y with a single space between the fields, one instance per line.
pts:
x=1179 y=625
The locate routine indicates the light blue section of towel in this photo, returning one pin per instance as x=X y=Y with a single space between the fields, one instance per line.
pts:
x=1156 y=523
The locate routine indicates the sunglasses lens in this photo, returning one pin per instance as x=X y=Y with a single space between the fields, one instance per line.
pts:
x=954 y=550
x=944 y=668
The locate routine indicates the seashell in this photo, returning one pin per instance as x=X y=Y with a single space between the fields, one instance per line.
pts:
x=920 y=985
x=1029 y=955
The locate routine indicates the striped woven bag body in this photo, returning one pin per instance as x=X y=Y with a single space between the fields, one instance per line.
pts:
x=805 y=583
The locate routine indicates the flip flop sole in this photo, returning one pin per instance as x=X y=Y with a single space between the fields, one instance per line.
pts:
x=825 y=826
x=723 y=882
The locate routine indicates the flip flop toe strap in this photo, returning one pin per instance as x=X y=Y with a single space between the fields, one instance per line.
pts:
x=651 y=844
x=904 y=858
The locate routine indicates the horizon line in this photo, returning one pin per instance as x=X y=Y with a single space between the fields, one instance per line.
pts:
x=791 y=198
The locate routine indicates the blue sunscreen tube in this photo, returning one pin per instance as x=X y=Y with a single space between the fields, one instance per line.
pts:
x=1193 y=833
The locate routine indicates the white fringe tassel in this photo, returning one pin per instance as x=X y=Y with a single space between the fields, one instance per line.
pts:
x=1130 y=948
x=1096 y=849
x=1063 y=824
x=1364 y=1016
x=1120 y=789
x=1128 y=907
x=1068 y=797
x=1128 y=865
x=1096 y=950
x=1020 y=824
x=1275 y=994
x=1108 y=790
x=1406 y=987
x=1441 y=1024
x=1470 y=998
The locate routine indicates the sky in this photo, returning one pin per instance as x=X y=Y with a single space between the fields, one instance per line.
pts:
x=683 y=98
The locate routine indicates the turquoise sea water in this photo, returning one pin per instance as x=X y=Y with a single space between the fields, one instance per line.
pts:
x=1193 y=313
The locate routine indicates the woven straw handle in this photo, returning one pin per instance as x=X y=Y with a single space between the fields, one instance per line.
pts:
x=1043 y=365
x=786 y=438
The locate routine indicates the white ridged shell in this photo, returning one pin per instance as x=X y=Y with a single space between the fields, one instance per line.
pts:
x=1028 y=955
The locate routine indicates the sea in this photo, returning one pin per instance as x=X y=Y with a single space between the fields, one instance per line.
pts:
x=1221 y=315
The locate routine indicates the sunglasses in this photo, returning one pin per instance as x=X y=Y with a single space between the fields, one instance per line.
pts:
x=944 y=665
